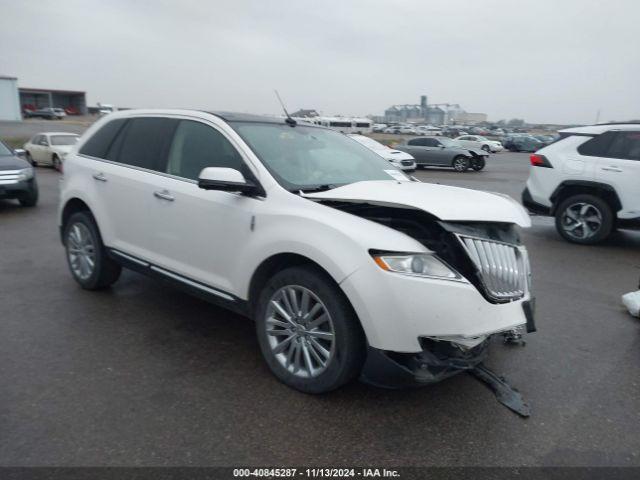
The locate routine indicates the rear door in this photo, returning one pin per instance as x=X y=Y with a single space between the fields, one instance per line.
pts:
x=125 y=179
x=620 y=168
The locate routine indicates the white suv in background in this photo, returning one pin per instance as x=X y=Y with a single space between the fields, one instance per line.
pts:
x=348 y=267
x=589 y=180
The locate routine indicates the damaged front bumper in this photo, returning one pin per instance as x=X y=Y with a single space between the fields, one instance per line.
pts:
x=437 y=360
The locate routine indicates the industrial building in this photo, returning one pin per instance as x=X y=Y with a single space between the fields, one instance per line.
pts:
x=435 y=114
x=14 y=100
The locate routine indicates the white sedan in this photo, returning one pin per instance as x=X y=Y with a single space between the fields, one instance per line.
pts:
x=401 y=160
x=49 y=148
x=480 y=143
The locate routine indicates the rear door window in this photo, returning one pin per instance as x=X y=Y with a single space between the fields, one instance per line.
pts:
x=625 y=145
x=597 y=146
x=145 y=143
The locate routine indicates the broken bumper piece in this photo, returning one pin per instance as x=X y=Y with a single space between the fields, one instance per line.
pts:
x=437 y=360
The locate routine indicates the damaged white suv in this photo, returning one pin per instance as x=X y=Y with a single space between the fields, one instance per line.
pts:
x=348 y=267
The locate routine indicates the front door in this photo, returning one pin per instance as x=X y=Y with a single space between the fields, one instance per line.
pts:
x=200 y=234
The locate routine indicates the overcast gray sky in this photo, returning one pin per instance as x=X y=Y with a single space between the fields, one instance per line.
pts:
x=542 y=60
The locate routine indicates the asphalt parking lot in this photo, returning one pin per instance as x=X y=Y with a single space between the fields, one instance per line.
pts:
x=142 y=374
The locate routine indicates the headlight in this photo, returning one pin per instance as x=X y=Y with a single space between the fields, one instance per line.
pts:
x=25 y=174
x=419 y=264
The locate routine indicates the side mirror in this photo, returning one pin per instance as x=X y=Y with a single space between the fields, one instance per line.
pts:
x=19 y=152
x=226 y=180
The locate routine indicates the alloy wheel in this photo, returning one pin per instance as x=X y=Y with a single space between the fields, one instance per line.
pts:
x=81 y=251
x=300 y=331
x=581 y=220
x=460 y=164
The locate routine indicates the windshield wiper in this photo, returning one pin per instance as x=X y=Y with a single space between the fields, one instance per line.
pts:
x=317 y=188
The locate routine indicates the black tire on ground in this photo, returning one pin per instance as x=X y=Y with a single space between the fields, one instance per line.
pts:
x=105 y=271
x=31 y=160
x=478 y=164
x=606 y=213
x=30 y=198
x=350 y=343
x=460 y=163
x=486 y=148
x=55 y=162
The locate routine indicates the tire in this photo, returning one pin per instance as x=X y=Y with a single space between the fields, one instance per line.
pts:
x=31 y=160
x=486 y=148
x=105 y=271
x=460 y=163
x=347 y=346
x=584 y=219
x=478 y=164
x=30 y=198
x=55 y=162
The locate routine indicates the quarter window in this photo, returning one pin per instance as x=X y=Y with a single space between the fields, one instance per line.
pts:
x=197 y=146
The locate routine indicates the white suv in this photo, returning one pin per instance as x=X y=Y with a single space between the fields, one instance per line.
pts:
x=348 y=267
x=589 y=180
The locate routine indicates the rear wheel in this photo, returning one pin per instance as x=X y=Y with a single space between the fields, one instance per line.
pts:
x=87 y=257
x=460 y=163
x=584 y=219
x=308 y=333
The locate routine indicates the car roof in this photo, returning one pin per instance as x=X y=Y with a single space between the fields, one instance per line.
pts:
x=601 y=128
x=246 y=117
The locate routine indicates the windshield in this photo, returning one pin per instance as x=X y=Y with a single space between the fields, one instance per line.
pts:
x=64 y=139
x=4 y=150
x=302 y=157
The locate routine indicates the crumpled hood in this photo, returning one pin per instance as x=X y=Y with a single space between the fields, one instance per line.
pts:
x=445 y=202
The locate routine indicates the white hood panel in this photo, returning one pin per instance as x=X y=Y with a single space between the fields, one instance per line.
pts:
x=445 y=202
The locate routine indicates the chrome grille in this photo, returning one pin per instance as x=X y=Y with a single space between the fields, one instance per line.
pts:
x=8 y=177
x=503 y=267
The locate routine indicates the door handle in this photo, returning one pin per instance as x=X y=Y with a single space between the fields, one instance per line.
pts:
x=612 y=169
x=100 y=177
x=163 y=195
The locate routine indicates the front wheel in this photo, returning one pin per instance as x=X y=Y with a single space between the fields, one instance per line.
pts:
x=460 y=163
x=308 y=332
x=55 y=163
x=87 y=257
x=31 y=160
x=486 y=148
x=584 y=219
x=478 y=163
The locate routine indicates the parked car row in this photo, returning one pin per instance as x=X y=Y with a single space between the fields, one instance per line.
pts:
x=46 y=113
